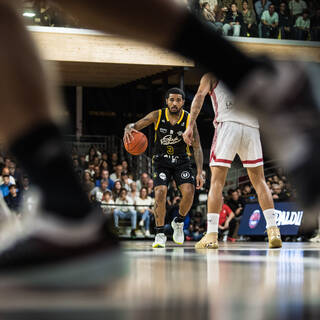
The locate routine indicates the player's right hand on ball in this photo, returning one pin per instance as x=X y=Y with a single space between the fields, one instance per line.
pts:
x=128 y=137
x=188 y=136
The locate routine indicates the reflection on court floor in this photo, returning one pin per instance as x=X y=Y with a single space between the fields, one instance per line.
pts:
x=239 y=281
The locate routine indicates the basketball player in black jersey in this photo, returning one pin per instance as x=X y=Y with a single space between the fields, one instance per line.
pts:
x=171 y=159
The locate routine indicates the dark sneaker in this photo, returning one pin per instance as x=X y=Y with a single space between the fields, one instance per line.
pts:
x=133 y=234
x=38 y=260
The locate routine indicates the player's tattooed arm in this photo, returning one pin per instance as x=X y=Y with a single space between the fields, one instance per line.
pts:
x=206 y=84
x=150 y=118
x=198 y=157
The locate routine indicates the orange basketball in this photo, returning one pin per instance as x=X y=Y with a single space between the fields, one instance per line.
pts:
x=138 y=144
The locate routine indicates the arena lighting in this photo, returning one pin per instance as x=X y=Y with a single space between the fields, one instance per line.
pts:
x=29 y=14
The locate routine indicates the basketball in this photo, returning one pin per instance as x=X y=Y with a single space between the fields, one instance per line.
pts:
x=138 y=144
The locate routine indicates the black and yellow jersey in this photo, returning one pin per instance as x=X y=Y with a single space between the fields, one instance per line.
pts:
x=168 y=138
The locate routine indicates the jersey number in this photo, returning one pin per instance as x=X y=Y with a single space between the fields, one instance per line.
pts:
x=170 y=150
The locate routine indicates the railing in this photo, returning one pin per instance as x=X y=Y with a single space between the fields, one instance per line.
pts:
x=109 y=144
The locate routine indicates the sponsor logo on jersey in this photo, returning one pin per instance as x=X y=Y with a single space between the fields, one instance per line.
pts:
x=168 y=139
x=163 y=121
x=254 y=219
x=162 y=176
x=179 y=133
x=162 y=130
x=182 y=124
x=229 y=104
x=171 y=131
x=185 y=174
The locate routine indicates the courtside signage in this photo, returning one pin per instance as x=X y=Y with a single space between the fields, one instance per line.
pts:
x=288 y=216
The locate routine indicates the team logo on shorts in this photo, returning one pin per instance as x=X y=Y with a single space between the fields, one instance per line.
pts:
x=254 y=219
x=185 y=174
x=162 y=176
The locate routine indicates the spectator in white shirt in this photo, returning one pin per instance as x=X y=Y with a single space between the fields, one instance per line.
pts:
x=270 y=22
x=6 y=172
x=117 y=174
x=144 y=204
x=143 y=181
x=107 y=203
x=97 y=192
x=302 y=26
x=125 y=210
x=296 y=8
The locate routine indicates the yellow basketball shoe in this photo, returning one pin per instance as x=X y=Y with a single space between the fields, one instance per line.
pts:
x=208 y=241
x=274 y=237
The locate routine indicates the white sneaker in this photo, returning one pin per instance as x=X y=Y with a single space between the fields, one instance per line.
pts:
x=159 y=241
x=315 y=239
x=147 y=234
x=141 y=223
x=178 y=234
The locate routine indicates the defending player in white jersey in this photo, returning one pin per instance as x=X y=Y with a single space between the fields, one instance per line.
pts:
x=235 y=133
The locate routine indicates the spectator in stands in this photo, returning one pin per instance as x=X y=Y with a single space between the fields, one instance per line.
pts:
x=143 y=181
x=126 y=181
x=226 y=4
x=173 y=199
x=13 y=199
x=77 y=168
x=233 y=21
x=116 y=189
x=6 y=172
x=114 y=161
x=285 y=21
x=4 y=187
x=315 y=26
x=125 y=211
x=96 y=193
x=92 y=152
x=248 y=194
x=104 y=165
x=249 y=21
x=144 y=209
x=278 y=194
x=82 y=162
x=207 y=13
x=87 y=181
x=125 y=166
x=150 y=187
x=133 y=194
x=236 y=203
x=226 y=222
x=196 y=229
x=15 y=173
x=105 y=175
x=270 y=22
x=249 y=2
x=104 y=156
x=302 y=26
x=261 y=6
x=96 y=175
x=117 y=174
x=107 y=203
x=91 y=169
x=296 y=8
x=96 y=161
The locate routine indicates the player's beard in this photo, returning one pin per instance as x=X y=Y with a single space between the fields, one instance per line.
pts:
x=174 y=112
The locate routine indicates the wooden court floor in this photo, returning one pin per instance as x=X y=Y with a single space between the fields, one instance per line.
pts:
x=238 y=281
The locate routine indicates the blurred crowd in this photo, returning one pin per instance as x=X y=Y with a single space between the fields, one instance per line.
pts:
x=286 y=19
x=128 y=198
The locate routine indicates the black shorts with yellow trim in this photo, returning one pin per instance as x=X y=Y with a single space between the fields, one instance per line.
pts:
x=168 y=167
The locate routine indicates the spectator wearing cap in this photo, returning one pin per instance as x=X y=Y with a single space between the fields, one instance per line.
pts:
x=302 y=26
x=13 y=199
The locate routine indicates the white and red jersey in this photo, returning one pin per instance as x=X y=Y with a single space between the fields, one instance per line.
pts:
x=225 y=110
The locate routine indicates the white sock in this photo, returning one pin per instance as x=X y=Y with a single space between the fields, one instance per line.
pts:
x=212 y=222
x=270 y=218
